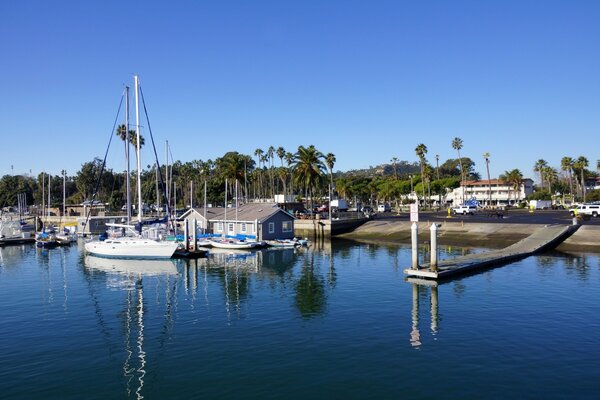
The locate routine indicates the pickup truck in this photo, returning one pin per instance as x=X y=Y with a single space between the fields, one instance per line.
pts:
x=464 y=210
x=586 y=209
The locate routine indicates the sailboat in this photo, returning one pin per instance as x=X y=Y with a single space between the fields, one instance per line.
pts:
x=133 y=245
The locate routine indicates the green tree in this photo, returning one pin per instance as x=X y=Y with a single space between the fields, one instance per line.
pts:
x=421 y=150
x=457 y=144
x=566 y=164
x=539 y=167
x=581 y=164
x=308 y=169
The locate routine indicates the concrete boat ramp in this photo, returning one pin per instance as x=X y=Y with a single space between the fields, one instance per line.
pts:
x=546 y=237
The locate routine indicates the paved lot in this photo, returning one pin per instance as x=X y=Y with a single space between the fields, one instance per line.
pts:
x=513 y=216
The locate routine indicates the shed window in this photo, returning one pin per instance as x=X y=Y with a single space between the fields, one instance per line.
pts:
x=271 y=227
x=286 y=226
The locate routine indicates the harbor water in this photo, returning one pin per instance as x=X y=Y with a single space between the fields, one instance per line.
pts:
x=337 y=320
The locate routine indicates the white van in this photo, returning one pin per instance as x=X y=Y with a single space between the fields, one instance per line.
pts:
x=383 y=208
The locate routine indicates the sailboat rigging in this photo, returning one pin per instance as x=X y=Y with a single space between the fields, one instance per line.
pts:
x=134 y=245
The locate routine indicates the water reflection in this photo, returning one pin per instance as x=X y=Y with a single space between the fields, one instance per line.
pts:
x=310 y=290
x=128 y=276
x=420 y=291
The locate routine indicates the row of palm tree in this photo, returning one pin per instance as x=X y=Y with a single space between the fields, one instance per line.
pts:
x=576 y=172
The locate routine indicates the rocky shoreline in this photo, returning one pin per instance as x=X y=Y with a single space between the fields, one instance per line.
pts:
x=470 y=234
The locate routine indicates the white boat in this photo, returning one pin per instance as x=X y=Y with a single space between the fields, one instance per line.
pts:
x=133 y=245
x=232 y=244
x=288 y=243
x=14 y=232
x=285 y=243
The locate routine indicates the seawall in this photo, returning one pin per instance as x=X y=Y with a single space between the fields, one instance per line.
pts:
x=493 y=235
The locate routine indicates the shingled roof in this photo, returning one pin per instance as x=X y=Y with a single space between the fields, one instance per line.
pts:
x=247 y=212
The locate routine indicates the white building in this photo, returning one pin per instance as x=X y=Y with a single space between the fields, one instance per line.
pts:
x=501 y=192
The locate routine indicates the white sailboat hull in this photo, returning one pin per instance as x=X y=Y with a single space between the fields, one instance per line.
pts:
x=131 y=248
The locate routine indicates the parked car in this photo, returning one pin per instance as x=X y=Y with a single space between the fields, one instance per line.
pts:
x=464 y=210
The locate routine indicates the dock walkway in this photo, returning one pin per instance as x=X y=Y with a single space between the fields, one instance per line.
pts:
x=542 y=239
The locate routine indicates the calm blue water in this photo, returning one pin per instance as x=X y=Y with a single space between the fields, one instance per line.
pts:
x=338 y=322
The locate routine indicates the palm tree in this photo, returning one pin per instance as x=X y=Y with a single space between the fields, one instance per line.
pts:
x=486 y=157
x=566 y=164
x=457 y=144
x=281 y=154
x=308 y=169
x=539 y=168
x=581 y=163
x=122 y=133
x=394 y=162
x=514 y=179
x=259 y=156
x=330 y=161
x=270 y=155
x=421 y=150
x=289 y=158
x=551 y=176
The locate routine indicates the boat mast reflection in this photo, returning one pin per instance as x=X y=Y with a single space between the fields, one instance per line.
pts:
x=129 y=275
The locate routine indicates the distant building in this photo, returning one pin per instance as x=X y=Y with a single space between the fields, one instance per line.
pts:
x=264 y=220
x=501 y=192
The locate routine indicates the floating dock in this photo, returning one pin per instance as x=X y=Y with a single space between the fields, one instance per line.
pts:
x=544 y=238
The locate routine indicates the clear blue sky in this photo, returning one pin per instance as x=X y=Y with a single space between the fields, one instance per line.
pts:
x=365 y=80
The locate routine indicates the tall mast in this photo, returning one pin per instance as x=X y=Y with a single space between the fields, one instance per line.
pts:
x=139 y=161
x=167 y=185
x=48 y=196
x=205 y=221
x=225 y=224
x=64 y=191
x=43 y=195
x=127 y=140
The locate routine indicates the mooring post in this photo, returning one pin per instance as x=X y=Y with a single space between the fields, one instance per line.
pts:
x=414 y=234
x=194 y=234
x=433 y=250
x=186 y=238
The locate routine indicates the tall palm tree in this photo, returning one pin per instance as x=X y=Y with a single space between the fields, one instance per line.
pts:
x=259 y=157
x=308 y=169
x=551 y=176
x=289 y=158
x=580 y=164
x=457 y=144
x=539 y=167
x=486 y=157
x=566 y=164
x=330 y=162
x=421 y=150
x=394 y=162
x=271 y=156
x=281 y=154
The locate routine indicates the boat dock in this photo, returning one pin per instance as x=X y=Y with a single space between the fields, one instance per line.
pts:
x=542 y=239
